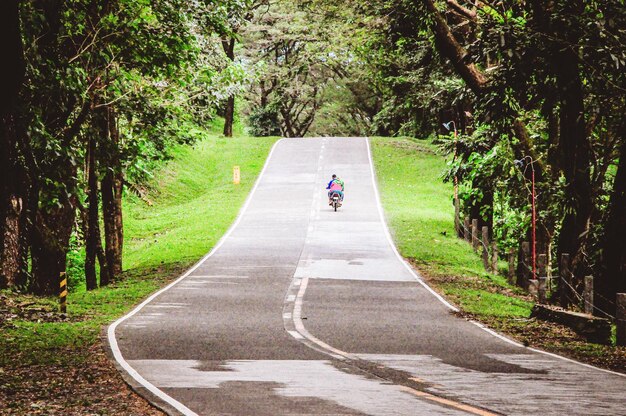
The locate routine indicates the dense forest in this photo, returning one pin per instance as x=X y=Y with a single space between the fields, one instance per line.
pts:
x=97 y=91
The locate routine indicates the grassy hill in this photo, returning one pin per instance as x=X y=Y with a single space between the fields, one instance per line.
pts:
x=49 y=361
x=419 y=210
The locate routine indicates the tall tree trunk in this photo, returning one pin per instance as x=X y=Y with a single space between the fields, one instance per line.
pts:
x=229 y=116
x=92 y=232
x=11 y=257
x=612 y=279
x=574 y=146
x=448 y=46
x=49 y=248
x=11 y=170
x=112 y=187
x=229 y=111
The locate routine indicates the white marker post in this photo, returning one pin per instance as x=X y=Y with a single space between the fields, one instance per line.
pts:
x=236 y=175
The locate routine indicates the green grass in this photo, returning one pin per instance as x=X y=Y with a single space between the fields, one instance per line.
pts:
x=419 y=209
x=192 y=202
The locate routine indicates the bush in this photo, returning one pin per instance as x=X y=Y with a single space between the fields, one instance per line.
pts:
x=263 y=122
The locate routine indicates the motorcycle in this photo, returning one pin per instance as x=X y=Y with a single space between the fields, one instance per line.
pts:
x=335 y=200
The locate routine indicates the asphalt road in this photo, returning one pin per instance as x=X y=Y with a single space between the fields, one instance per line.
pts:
x=304 y=311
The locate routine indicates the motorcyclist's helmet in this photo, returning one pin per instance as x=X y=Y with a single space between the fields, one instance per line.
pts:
x=334 y=176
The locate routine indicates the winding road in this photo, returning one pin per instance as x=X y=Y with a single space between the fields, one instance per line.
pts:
x=300 y=310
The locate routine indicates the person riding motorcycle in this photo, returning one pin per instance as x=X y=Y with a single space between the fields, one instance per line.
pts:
x=335 y=185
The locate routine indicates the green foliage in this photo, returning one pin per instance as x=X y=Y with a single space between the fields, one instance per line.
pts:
x=418 y=208
x=187 y=216
x=263 y=122
x=295 y=62
x=191 y=200
x=134 y=77
x=484 y=303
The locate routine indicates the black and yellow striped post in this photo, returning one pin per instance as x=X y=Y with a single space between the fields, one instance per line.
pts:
x=63 y=293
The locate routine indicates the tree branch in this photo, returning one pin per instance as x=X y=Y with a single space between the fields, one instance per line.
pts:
x=463 y=11
x=451 y=49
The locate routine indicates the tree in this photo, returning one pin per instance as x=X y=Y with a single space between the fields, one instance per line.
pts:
x=295 y=62
x=228 y=18
x=12 y=171
x=84 y=60
x=552 y=62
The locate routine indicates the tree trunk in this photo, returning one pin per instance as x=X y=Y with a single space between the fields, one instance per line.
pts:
x=229 y=111
x=10 y=257
x=574 y=147
x=11 y=171
x=612 y=279
x=229 y=116
x=92 y=229
x=49 y=247
x=112 y=187
x=451 y=49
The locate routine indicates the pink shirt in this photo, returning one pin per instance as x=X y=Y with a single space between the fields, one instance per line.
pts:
x=335 y=186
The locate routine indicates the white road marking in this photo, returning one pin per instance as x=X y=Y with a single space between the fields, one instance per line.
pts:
x=297 y=321
x=388 y=234
x=117 y=354
x=438 y=296
x=295 y=334
x=168 y=306
x=218 y=276
x=317 y=379
x=291 y=298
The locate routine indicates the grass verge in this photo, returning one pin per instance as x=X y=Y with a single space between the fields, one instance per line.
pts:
x=419 y=210
x=50 y=363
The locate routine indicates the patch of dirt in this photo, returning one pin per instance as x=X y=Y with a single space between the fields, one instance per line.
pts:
x=25 y=309
x=561 y=340
x=92 y=388
x=546 y=336
x=411 y=145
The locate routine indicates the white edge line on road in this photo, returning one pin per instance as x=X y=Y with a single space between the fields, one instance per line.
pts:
x=388 y=234
x=445 y=302
x=342 y=355
x=299 y=325
x=117 y=354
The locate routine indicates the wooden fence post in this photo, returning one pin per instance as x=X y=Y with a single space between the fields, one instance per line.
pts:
x=485 y=241
x=457 y=217
x=467 y=232
x=588 y=295
x=475 y=240
x=511 y=266
x=620 y=318
x=564 y=274
x=522 y=279
x=541 y=278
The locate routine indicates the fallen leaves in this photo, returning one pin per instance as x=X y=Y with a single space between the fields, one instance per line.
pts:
x=93 y=388
x=534 y=333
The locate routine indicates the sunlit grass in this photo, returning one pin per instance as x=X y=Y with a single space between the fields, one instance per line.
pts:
x=190 y=204
x=194 y=201
x=419 y=209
